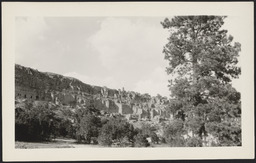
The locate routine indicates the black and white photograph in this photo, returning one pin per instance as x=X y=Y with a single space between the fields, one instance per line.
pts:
x=131 y=82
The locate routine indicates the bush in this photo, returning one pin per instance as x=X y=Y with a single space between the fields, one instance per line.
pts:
x=141 y=141
x=154 y=138
x=125 y=142
x=149 y=131
x=173 y=133
x=105 y=140
x=194 y=142
x=177 y=142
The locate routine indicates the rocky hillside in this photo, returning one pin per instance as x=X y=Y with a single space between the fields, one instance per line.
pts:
x=31 y=84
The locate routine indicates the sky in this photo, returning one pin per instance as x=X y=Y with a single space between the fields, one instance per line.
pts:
x=117 y=52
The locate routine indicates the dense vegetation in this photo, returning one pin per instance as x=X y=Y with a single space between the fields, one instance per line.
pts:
x=35 y=123
x=86 y=125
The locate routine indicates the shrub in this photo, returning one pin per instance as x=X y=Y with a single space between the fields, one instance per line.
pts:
x=141 y=141
x=173 y=133
x=149 y=131
x=154 y=138
x=194 y=142
x=125 y=142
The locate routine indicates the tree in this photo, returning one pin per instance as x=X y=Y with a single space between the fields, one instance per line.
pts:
x=150 y=131
x=89 y=127
x=173 y=133
x=202 y=59
x=35 y=123
x=87 y=122
x=116 y=130
x=105 y=137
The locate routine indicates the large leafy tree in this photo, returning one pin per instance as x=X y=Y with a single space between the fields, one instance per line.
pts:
x=35 y=122
x=116 y=130
x=203 y=61
x=87 y=122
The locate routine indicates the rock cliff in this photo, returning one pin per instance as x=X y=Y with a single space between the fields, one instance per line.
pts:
x=31 y=84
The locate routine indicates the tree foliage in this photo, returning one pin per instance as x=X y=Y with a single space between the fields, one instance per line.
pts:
x=148 y=130
x=87 y=122
x=116 y=130
x=88 y=128
x=202 y=59
x=173 y=133
x=141 y=140
x=35 y=123
x=194 y=142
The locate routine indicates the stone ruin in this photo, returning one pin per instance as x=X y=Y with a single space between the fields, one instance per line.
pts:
x=33 y=85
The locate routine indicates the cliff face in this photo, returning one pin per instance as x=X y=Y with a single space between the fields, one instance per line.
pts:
x=33 y=85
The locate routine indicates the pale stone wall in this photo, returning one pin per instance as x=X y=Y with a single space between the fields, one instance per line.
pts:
x=144 y=114
x=126 y=109
x=66 y=98
x=153 y=113
x=113 y=107
x=100 y=105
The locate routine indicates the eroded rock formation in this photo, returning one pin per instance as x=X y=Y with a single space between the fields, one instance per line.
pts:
x=64 y=91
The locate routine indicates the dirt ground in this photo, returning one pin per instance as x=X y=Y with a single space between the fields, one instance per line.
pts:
x=64 y=143
x=56 y=143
